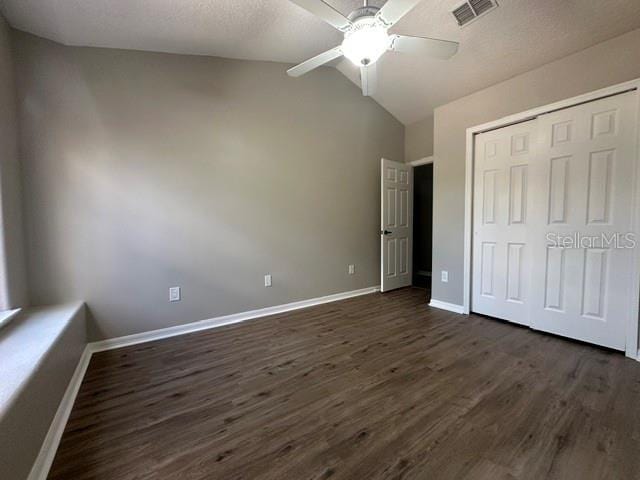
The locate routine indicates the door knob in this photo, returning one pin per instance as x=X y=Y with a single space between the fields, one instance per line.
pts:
x=386 y=232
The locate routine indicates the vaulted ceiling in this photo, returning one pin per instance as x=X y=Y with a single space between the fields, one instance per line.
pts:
x=518 y=36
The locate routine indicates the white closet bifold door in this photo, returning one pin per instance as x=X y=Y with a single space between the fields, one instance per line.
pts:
x=552 y=221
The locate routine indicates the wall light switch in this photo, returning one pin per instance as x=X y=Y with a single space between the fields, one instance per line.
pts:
x=174 y=294
x=267 y=280
x=445 y=276
x=352 y=269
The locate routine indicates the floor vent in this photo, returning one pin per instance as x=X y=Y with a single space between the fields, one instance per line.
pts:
x=472 y=9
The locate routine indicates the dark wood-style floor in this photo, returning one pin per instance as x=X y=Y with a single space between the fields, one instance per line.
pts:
x=375 y=387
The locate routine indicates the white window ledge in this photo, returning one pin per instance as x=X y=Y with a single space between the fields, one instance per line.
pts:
x=26 y=342
x=7 y=315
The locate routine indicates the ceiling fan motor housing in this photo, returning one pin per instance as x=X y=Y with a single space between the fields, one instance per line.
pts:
x=368 y=11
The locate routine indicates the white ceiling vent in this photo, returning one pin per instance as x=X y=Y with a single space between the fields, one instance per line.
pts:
x=472 y=9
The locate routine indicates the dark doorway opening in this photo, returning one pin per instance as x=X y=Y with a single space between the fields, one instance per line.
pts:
x=422 y=225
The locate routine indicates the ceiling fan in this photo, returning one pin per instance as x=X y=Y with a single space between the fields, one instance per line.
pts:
x=366 y=38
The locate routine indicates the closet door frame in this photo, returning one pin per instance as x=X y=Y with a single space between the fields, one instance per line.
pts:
x=631 y=348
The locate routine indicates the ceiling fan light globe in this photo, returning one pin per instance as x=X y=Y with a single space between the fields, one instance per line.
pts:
x=365 y=44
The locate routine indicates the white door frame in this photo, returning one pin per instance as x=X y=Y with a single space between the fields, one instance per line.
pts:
x=422 y=161
x=632 y=329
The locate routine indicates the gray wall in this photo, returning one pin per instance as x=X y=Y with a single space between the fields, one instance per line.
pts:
x=12 y=294
x=418 y=141
x=144 y=171
x=605 y=64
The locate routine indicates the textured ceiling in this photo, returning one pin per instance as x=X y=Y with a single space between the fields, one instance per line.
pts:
x=518 y=36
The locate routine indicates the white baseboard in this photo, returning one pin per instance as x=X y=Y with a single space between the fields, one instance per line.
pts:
x=224 y=320
x=452 y=307
x=44 y=460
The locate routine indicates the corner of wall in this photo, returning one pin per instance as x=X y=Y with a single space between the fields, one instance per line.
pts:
x=14 y=265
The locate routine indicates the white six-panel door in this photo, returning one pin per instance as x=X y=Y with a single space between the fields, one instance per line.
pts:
x=396 y=224
x=549 y=195
x=503 y=201
x=587 y=167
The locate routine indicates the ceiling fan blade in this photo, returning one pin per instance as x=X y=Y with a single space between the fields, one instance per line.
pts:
x=431 y=47
x=394 y=10
x=325 y=12
x=369 y=79
x=315 y=62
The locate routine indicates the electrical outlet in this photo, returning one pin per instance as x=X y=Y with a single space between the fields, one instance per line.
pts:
x=444 y=276
x=267 y=280
x=352 y=269
x=174 y=294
